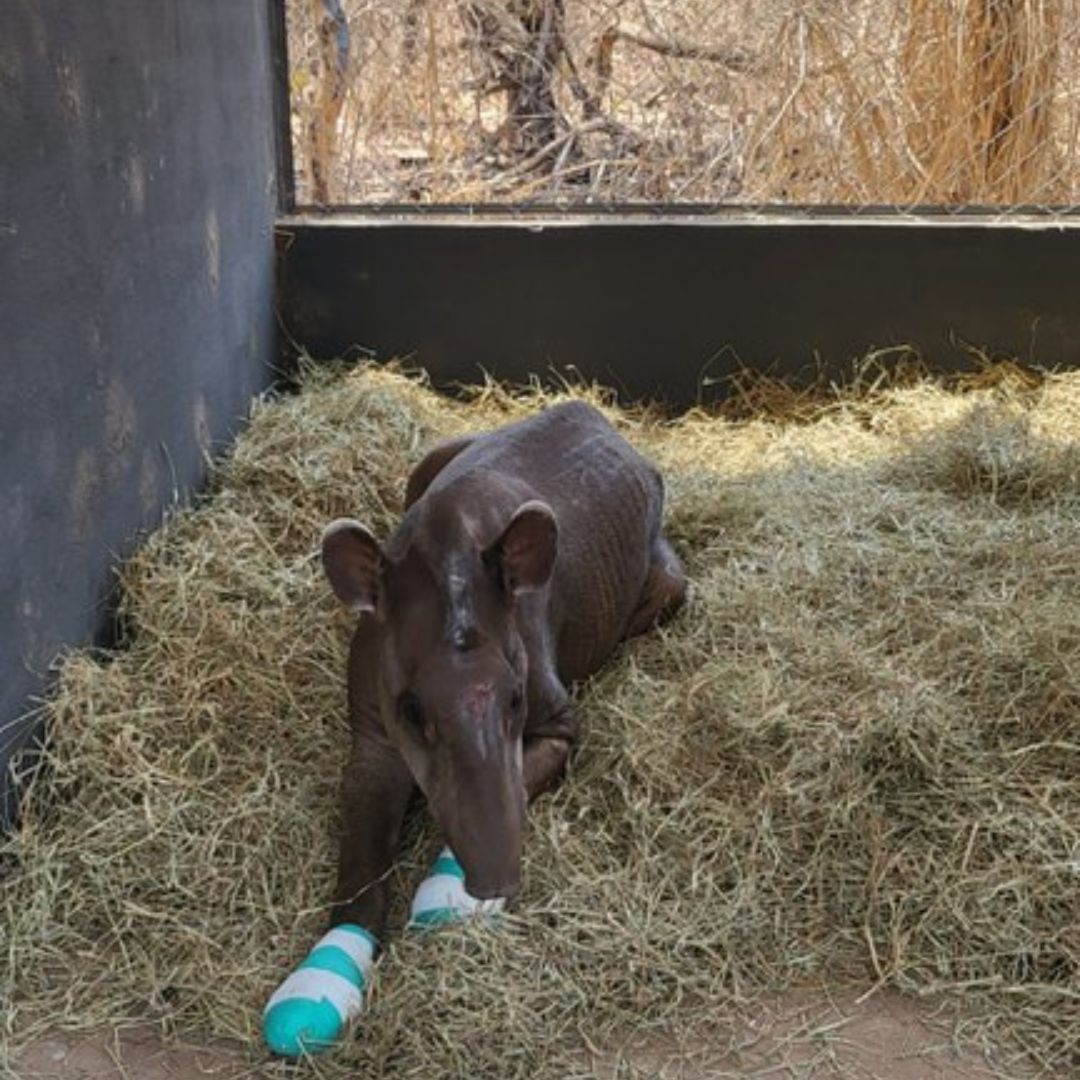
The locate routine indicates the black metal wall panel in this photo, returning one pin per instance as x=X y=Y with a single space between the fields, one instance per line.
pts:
x=656 y=307
x=137 y=193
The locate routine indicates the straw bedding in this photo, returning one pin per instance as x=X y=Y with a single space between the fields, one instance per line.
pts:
x=853 y=758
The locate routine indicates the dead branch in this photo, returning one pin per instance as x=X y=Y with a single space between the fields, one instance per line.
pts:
x=333 y=32
x=411 y=35
x=559 y=143
x=738 y=60
x=521 y=42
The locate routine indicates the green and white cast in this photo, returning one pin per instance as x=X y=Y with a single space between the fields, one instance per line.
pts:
x=441 y=897
x=311 y=1009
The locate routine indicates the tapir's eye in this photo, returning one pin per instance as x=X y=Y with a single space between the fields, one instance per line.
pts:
x=516 y=699
x=411 y=712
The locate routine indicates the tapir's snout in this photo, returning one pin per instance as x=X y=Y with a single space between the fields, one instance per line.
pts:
x=493 y=888
x=486 y=835
x=478 y=796
x=484 y=823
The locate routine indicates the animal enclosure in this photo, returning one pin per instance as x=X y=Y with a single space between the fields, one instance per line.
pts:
x=601 y=102
x=851 y=758
x=849 y=765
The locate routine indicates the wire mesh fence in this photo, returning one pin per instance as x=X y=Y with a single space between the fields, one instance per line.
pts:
x=902 y=103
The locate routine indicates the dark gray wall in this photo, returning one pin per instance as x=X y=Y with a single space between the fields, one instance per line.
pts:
x=137 y=194
x=656 y=307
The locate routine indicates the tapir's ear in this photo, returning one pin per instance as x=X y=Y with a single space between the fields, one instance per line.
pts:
x=353 y=562
x=526 y=550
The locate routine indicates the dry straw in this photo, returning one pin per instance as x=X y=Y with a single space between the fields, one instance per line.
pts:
x=926 y=102
x=853 y=759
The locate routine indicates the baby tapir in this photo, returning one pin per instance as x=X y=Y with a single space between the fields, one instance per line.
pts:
x=523 y=558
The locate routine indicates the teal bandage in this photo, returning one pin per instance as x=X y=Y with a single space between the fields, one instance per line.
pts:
x=441 y=897
x=310 y=1010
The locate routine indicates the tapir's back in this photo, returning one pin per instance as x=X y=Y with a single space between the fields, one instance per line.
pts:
x=608 y=501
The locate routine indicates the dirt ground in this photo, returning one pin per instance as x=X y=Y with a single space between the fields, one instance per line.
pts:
x=885 y=1037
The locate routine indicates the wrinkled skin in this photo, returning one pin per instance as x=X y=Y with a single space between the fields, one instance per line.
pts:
x=523 y=558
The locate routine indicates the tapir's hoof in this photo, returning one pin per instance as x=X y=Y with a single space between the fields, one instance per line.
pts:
x=310 y=1010
x=441 y=897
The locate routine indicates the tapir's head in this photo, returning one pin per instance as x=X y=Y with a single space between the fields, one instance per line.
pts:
x=453 y=668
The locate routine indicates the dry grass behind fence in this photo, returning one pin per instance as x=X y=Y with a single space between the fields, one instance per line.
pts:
x=853 y=758
x=858 y=102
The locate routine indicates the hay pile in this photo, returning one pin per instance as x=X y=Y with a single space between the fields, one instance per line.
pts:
x=854 y=757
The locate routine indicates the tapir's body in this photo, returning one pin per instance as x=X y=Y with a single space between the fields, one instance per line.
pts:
x=608 y=502
x=524 y=556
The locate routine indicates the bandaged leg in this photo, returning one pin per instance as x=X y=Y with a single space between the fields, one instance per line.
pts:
x=310 y=1010
x=441 y=897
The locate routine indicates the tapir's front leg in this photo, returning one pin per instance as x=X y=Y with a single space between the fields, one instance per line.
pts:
x=375 y=793
x=310 y=1010
x=544 y=762
x=551 y=730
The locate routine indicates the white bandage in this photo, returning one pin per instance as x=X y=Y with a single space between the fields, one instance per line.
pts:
x=441 y=897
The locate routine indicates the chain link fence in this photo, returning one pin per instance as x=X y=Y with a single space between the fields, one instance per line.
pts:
x=869 y=103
